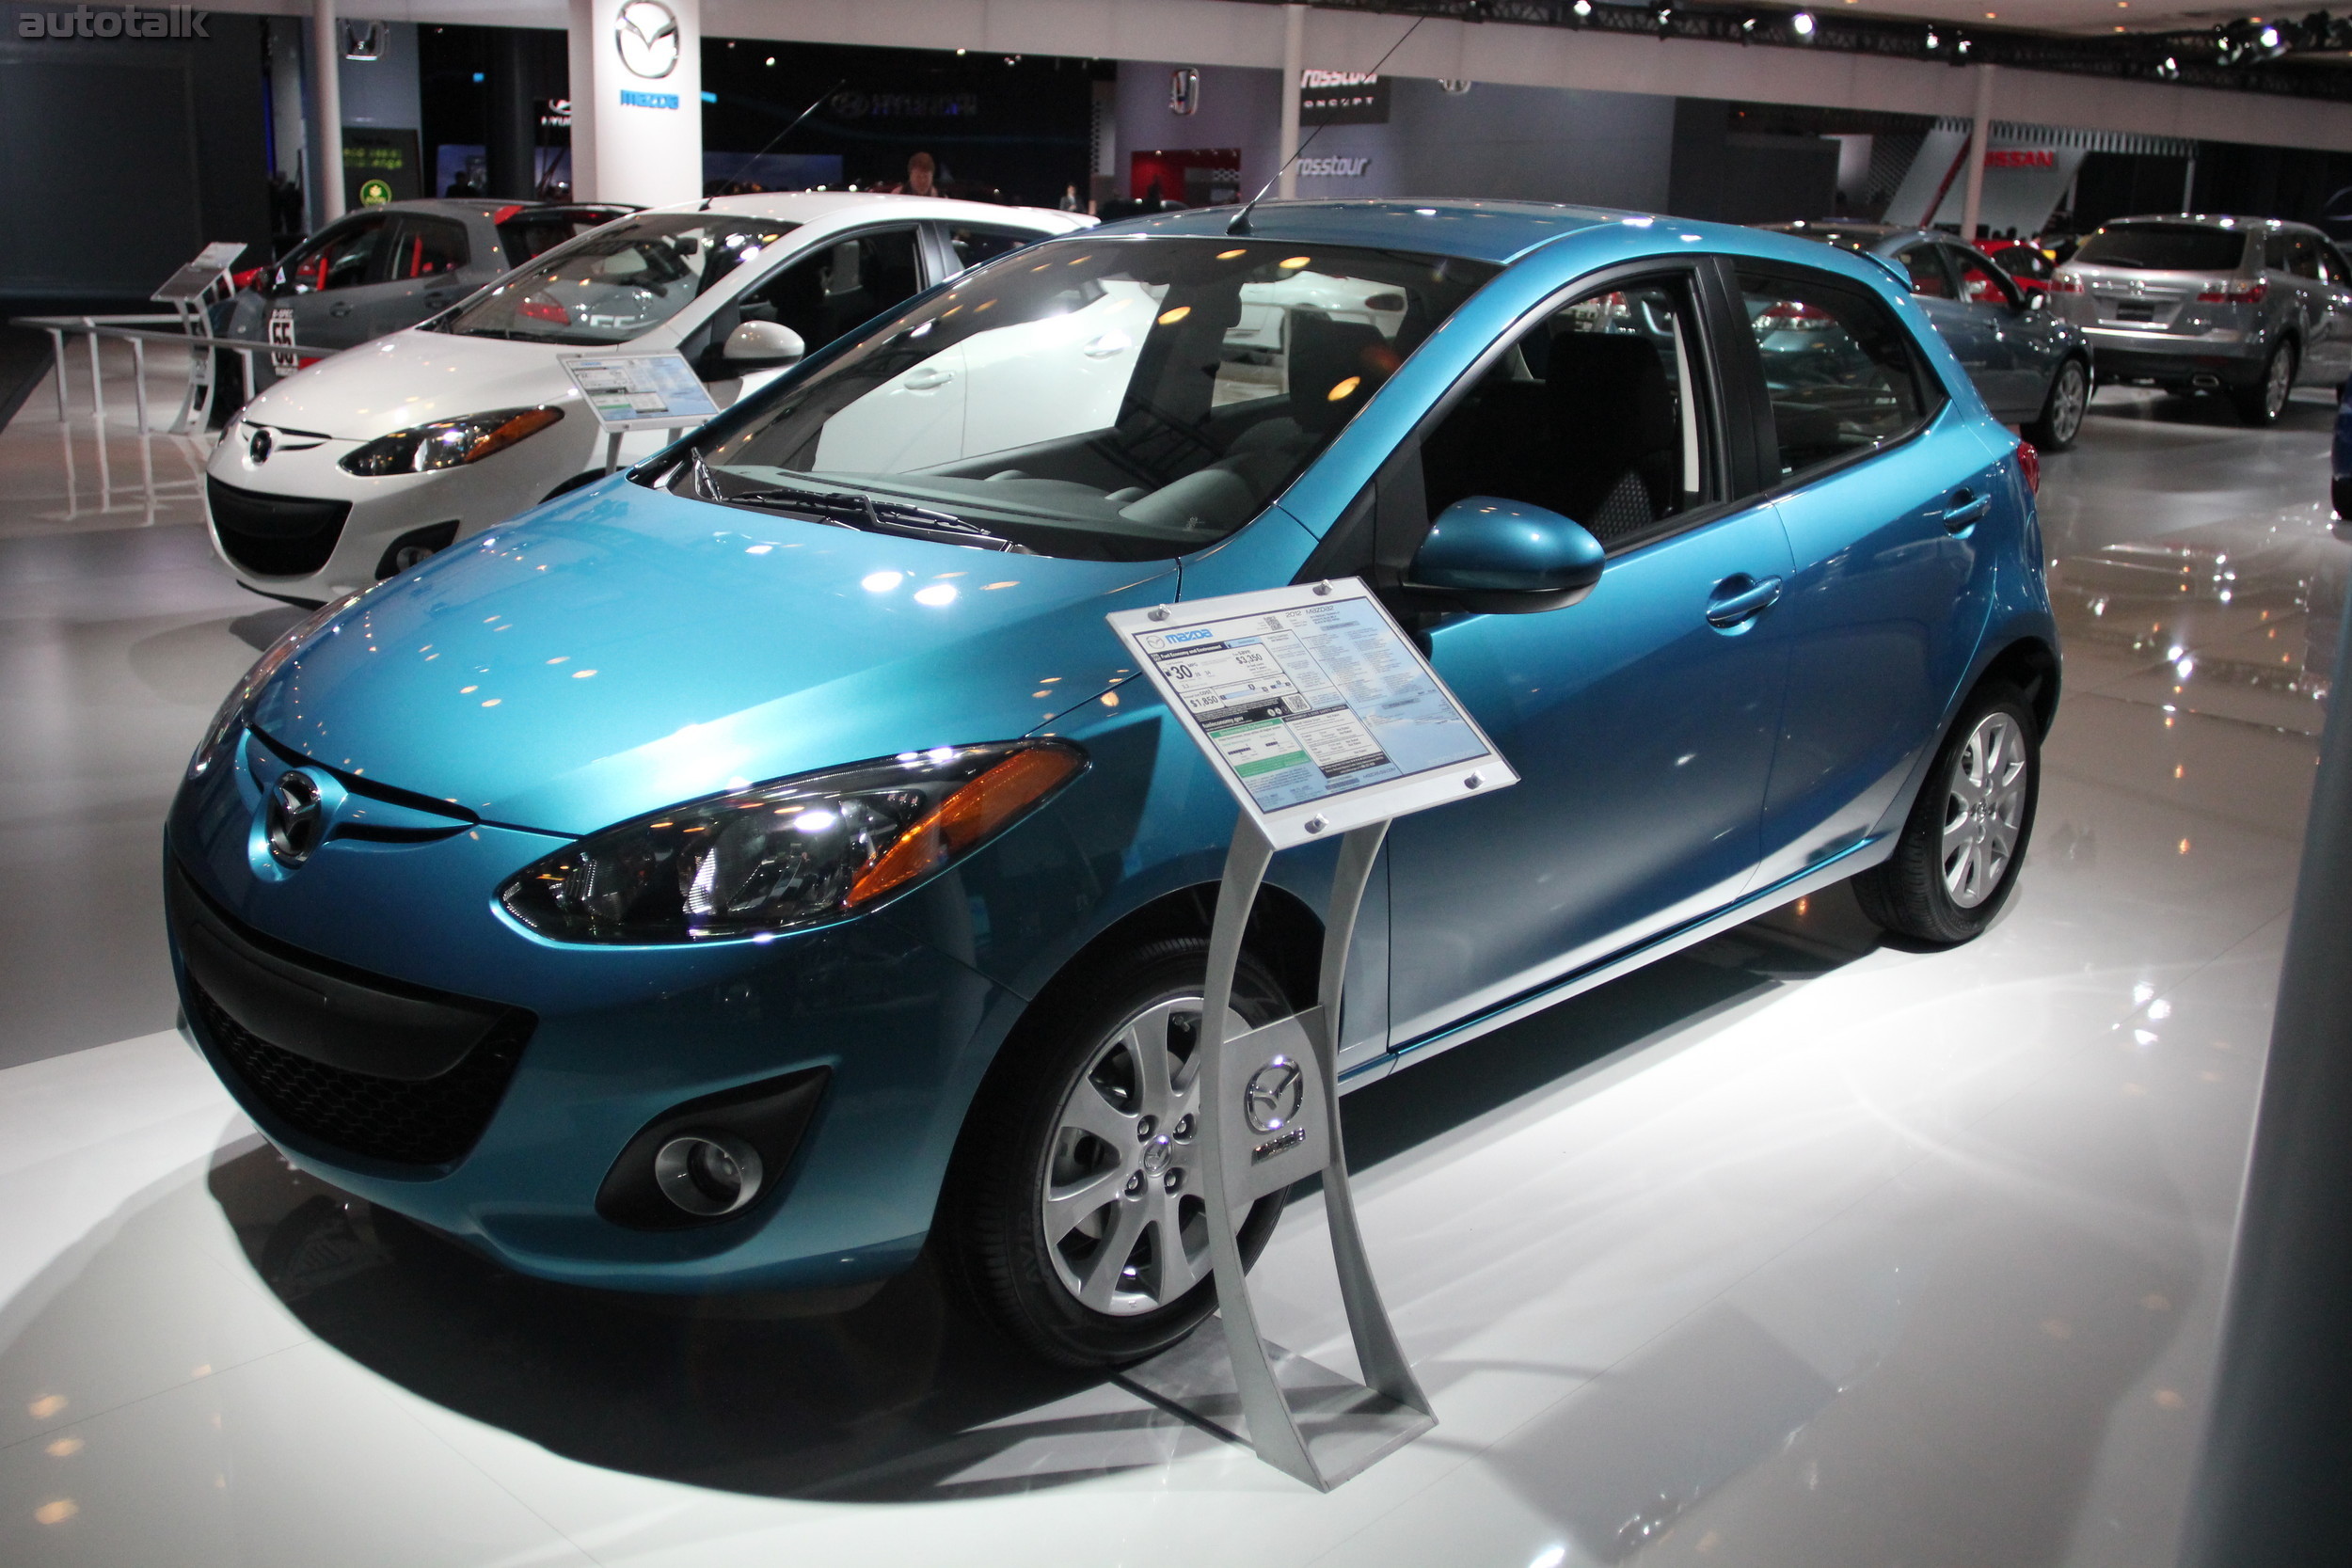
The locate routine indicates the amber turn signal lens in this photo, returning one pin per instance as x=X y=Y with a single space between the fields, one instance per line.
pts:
x=967 y=816
x=529 y=423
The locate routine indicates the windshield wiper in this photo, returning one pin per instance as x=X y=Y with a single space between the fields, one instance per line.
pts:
x=854 y=508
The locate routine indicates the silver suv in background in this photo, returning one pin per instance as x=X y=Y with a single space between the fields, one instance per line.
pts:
x=2197 y=303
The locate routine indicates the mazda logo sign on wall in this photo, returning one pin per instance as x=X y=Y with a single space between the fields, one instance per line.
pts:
x=293 y=818
x=648 y=40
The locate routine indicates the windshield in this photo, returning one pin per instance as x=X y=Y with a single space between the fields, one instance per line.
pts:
x=2164 y=248
x=618 y=282
x=1108 y=398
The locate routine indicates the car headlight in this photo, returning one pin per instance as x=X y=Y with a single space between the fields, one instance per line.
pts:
x=791 y=853
x=233 y=709
x=447 y=443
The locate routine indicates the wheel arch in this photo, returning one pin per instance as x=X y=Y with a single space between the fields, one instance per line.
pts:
x=2031 y=665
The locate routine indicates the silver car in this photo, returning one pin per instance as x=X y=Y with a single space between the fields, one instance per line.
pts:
x=2189 y=302
x=2032 y=369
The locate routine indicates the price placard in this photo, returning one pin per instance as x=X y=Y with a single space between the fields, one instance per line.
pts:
x=639 y=392
x=1313 y=705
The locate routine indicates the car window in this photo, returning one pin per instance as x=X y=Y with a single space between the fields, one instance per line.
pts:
x=2331 y=264
x=426 y=247
x=1588 y=414
x=345 y=256
x=529 y=235
x=2163 y=248
x=1981 y=283
x=840 y=285
x=973 y=243
x=1073 y=397
x=619 y=282
x=1924 y=264
x=1842 y=375
x=2303 y=256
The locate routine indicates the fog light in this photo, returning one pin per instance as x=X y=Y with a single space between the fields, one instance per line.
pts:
x=708 y=1173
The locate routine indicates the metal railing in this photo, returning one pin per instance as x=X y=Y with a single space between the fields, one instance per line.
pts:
x=140 y=330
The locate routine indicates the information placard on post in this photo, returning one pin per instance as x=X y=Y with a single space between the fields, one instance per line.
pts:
x=192 y=280
x=1323 y=718
x=639 y=392
x=1316 y=708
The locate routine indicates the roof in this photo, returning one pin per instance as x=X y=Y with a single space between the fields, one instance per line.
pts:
x=1475 y=230
x=810 y=206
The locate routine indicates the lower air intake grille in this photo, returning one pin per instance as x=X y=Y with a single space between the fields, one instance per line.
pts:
x=274 y=536
x=432 y=1122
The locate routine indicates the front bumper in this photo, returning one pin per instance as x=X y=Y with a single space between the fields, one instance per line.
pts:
x=615 y=1038
x=375 y=513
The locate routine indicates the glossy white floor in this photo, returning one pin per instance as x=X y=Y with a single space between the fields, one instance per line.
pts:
x=1797 y=1250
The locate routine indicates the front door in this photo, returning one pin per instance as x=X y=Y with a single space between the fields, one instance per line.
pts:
x=1964 y=331
x=338 y=279
x=1642 y=728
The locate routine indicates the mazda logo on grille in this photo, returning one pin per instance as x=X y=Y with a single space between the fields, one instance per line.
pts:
x=293 y=818
x=256 y=448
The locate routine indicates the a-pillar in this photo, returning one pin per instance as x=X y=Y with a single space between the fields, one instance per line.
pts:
x=636 y=112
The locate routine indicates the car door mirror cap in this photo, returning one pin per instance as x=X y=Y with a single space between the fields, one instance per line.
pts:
x=760 y=346
x=1497 y=557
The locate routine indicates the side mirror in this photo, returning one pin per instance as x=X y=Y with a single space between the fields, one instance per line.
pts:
x=761 y=346
x=1500 y=557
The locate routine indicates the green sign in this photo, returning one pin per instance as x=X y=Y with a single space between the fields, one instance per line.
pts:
x=374 y=193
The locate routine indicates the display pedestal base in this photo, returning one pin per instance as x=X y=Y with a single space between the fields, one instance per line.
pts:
x=1346 y=1427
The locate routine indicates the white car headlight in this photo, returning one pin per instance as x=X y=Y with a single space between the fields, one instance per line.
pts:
x=447 y=443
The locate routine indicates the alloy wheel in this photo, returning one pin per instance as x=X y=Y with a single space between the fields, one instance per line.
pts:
x=1126 y=1223
x=2069 y=402
x=1984 y=810
x=2278 y=381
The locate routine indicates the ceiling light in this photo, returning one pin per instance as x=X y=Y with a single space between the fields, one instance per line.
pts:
x=1803 y=26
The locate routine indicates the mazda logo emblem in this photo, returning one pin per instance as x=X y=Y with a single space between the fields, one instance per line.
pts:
x=293 y=818
x=256 y=448
x=1272 y=1099
x=647 y=39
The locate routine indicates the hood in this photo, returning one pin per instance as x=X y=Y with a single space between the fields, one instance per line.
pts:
x=626 y=649
x=409 y=378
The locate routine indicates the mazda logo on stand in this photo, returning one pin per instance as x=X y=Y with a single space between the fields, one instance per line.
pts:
x=648 y=40
x=1271 y=1100
x=293 y=818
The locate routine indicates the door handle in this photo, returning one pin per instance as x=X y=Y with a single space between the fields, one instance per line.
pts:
x=339 y=308
x=1741 y=599
x=927 y=378
x=1966 y=511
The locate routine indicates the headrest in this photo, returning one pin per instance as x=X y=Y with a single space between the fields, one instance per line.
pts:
x=1334 y=366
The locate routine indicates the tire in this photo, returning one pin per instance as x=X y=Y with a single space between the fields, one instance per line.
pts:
x=1956 y=861
x=1051 y=1282
x=2062 y=410
x=2266 y=400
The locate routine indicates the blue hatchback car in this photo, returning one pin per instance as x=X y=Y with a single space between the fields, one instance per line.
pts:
x=743 y=872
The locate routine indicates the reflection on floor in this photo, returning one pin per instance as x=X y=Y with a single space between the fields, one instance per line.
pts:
x=1796 y=1249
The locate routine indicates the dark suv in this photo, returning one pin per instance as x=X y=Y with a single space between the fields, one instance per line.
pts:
x=2197 y=303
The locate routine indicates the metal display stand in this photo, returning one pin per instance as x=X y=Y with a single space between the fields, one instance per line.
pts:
x=639 y=391
x=1323 y=719
x=190 y=292
x=1303 y=1419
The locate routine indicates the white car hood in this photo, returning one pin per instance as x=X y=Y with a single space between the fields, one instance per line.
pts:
x=410 y=378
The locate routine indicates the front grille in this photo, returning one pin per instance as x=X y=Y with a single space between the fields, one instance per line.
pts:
x=274 y=536
x=433 y=1123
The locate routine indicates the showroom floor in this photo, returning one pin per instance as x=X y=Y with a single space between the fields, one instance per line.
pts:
x=1795 y=1250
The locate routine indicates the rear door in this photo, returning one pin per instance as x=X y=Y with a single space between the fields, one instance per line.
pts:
x=1880 y=486
x=2025 y=344
x=1642 y=719
x=1963 y=330
x=958 y=248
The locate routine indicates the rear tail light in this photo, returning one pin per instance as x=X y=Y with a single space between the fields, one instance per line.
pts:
x=2064 y=285
x=2029 y=464
x=2237 y=294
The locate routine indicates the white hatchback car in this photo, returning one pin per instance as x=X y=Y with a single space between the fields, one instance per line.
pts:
x=372 y=460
